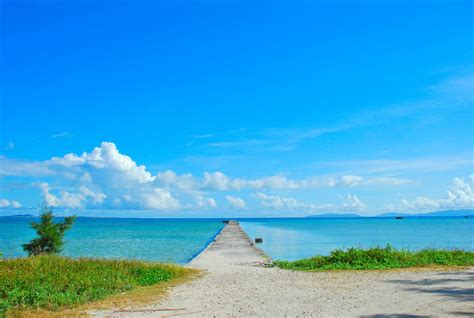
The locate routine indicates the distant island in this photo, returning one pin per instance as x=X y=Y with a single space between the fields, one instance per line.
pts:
x=19 y=216
x=458 y=213
x=436 y=213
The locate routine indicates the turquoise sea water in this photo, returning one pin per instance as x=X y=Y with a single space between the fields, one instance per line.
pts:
x=291 y=239
x=179 y=240
x=166 y=240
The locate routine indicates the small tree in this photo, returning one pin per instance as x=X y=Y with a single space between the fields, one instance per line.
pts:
x=50 y=234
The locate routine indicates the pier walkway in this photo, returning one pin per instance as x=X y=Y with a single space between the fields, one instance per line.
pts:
x=232 y=247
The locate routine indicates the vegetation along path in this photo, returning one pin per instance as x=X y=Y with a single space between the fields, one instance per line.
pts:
x=236 y=283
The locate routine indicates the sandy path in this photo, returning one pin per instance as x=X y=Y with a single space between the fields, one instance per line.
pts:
x=237 y=285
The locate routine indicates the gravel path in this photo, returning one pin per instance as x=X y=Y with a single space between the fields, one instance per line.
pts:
x=236 y=284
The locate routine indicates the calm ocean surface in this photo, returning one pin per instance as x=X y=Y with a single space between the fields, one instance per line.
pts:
x=291 y=239
x=167 y=240
x=178 y=240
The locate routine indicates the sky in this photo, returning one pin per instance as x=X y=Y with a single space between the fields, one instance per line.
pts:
x=236 y=108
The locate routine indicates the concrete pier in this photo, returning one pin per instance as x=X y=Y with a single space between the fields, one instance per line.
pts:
x=231 y=247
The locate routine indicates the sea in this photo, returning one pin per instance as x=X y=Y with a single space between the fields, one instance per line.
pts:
x=180 y=240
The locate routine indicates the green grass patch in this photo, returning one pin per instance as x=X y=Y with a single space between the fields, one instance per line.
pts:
x=54 y=282
x=380 y=258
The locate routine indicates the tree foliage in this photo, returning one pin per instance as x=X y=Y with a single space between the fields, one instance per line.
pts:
x=50 y=234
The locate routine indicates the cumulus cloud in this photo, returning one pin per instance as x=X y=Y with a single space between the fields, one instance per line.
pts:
x=459 y=196
x=108 y=160
x=24 y=168
x=169 y=178
x=287 y=203
x=236 y=202
x=353 y=203
x=159 y=199
x=107 y=178
x=71 y=200
x=95 y=197
x=279 y=202
x=218 y=181
x=351 y=181
x=4 y=203
x=204 y=202
x=384 y=181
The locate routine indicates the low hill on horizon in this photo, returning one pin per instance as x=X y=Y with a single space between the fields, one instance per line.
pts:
x=467 y=212
x=459 y=213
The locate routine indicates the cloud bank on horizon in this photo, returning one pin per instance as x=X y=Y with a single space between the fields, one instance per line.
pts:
x=104 y=178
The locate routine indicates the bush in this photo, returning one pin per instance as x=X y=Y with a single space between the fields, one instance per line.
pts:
x=50 y=234
x=381 y=258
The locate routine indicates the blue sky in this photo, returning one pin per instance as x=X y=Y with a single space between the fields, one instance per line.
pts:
x=236 y=108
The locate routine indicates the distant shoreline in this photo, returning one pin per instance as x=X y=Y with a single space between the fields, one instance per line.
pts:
x=442 y=213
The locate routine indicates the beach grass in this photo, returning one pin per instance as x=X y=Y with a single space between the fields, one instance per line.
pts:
x=49 y=282
x=380 y=258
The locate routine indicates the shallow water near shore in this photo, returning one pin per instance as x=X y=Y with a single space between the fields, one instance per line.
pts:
x=165 y=240
x=179 y=240
x=292 y=239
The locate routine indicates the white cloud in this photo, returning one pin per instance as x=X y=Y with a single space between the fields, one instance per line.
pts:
x=15 y=204
x=23 y=168
x=351 y=181
x=66 y=199
x=354 y=203
x=280 y=202
x=71 y=200
x=96 y=197
x=106 y=178
x=203 y=202
x=160 y=199
x=108 y=160
x=4 y=203
x=216 y=181
x=169 y=178
x=287 y=203
x=383 y=181
x=236 y=202
x=459 y=196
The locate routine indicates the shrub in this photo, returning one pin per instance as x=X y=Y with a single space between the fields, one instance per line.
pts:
x=381 y=258
x=50 y=234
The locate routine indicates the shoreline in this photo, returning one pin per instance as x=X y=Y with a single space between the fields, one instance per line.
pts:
x=235 y=282
x=206 y=245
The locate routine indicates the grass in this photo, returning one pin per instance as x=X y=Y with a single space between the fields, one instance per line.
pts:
x=51 y=282
x=380 y=258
